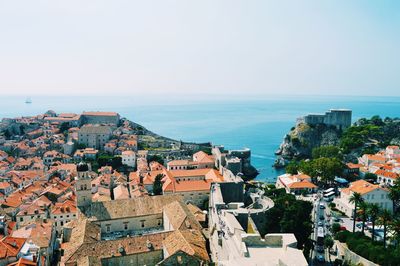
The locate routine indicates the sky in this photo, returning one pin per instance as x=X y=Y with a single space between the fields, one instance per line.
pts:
x=200 y=48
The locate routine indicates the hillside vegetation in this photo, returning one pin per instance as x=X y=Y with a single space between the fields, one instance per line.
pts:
x=364 y=136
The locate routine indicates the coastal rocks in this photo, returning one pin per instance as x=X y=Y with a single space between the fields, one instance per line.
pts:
x=302 y=139
x=280 y=162
x=250 y=172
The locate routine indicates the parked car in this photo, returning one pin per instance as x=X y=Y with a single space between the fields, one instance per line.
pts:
x=320 y=258
x=118 y=235
x=337 y=219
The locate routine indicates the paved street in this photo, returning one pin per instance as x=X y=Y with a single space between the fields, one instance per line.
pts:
x=321 y=218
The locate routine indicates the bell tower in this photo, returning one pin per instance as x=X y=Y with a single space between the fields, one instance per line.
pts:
x=83 y=186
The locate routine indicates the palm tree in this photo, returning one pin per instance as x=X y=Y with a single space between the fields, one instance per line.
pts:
x=355 y=198
x=363 y=206
x=384 y=219
x=395 y=228
x=394 y=194
x=373 y=213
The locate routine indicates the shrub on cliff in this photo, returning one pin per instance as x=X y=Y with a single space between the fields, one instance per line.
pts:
x=326 y=152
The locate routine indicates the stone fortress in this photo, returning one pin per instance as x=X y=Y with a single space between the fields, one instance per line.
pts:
x=339 y=118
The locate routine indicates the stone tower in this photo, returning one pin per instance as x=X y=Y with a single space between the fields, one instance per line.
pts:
x=83 y=186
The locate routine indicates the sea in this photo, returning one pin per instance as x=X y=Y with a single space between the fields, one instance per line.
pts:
x=258 y=123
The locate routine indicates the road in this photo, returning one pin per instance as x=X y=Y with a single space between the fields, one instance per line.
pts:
x=321 y=218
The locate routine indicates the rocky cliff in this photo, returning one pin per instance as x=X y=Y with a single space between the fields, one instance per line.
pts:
x=301 y=140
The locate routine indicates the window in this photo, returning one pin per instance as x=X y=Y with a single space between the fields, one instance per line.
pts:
x=21 y=219
x=61 y=216
x=159 y=222
x=142 y=223
x=372 y=196
x=382 y=196
x=126 y=226
x=67 y=215
x=108 y=228
x=62 y=223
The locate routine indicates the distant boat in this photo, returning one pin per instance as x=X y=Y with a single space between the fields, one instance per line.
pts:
x=28 y=100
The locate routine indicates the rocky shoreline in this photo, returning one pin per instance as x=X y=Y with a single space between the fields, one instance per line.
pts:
x=302 y=139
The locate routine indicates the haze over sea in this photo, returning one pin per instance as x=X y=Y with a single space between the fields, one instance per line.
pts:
x=258 y=124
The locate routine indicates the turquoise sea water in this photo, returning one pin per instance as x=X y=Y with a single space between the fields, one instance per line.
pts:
x=258 y=124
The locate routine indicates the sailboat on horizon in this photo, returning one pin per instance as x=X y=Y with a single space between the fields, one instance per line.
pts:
x=28 y=100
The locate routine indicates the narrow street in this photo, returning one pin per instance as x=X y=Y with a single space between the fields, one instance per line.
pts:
x=321 y=219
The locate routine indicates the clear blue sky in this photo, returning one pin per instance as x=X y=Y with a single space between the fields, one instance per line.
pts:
x=200 y=47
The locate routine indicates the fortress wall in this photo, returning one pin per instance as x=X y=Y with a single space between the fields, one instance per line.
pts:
x=338 y=118
x=100 y=119
x=313 y=119
x=242 y=154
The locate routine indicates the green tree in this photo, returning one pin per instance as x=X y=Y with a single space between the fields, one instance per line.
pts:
x=363 y=207
x=7 y=134
x=81 y=146
x=355 y=198
x=292 y=168
x=64 y=127
x=104 y=159
x=156 y=158
x=328 y=242
x=370 y=176
x=395 y=228
x=373 y=213
x=326 y=152
x=327 y=169
x=394 y=194
x=385 y=217
x=157 y=185
x=307 y=167
x=297 y=219
x=335 y=228
x=355 y=137
x=116 y=162
x=288 y=215
x=377 y=120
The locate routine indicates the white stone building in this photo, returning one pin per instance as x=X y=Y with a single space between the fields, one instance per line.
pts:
x=370 y=193
x=128 y=158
